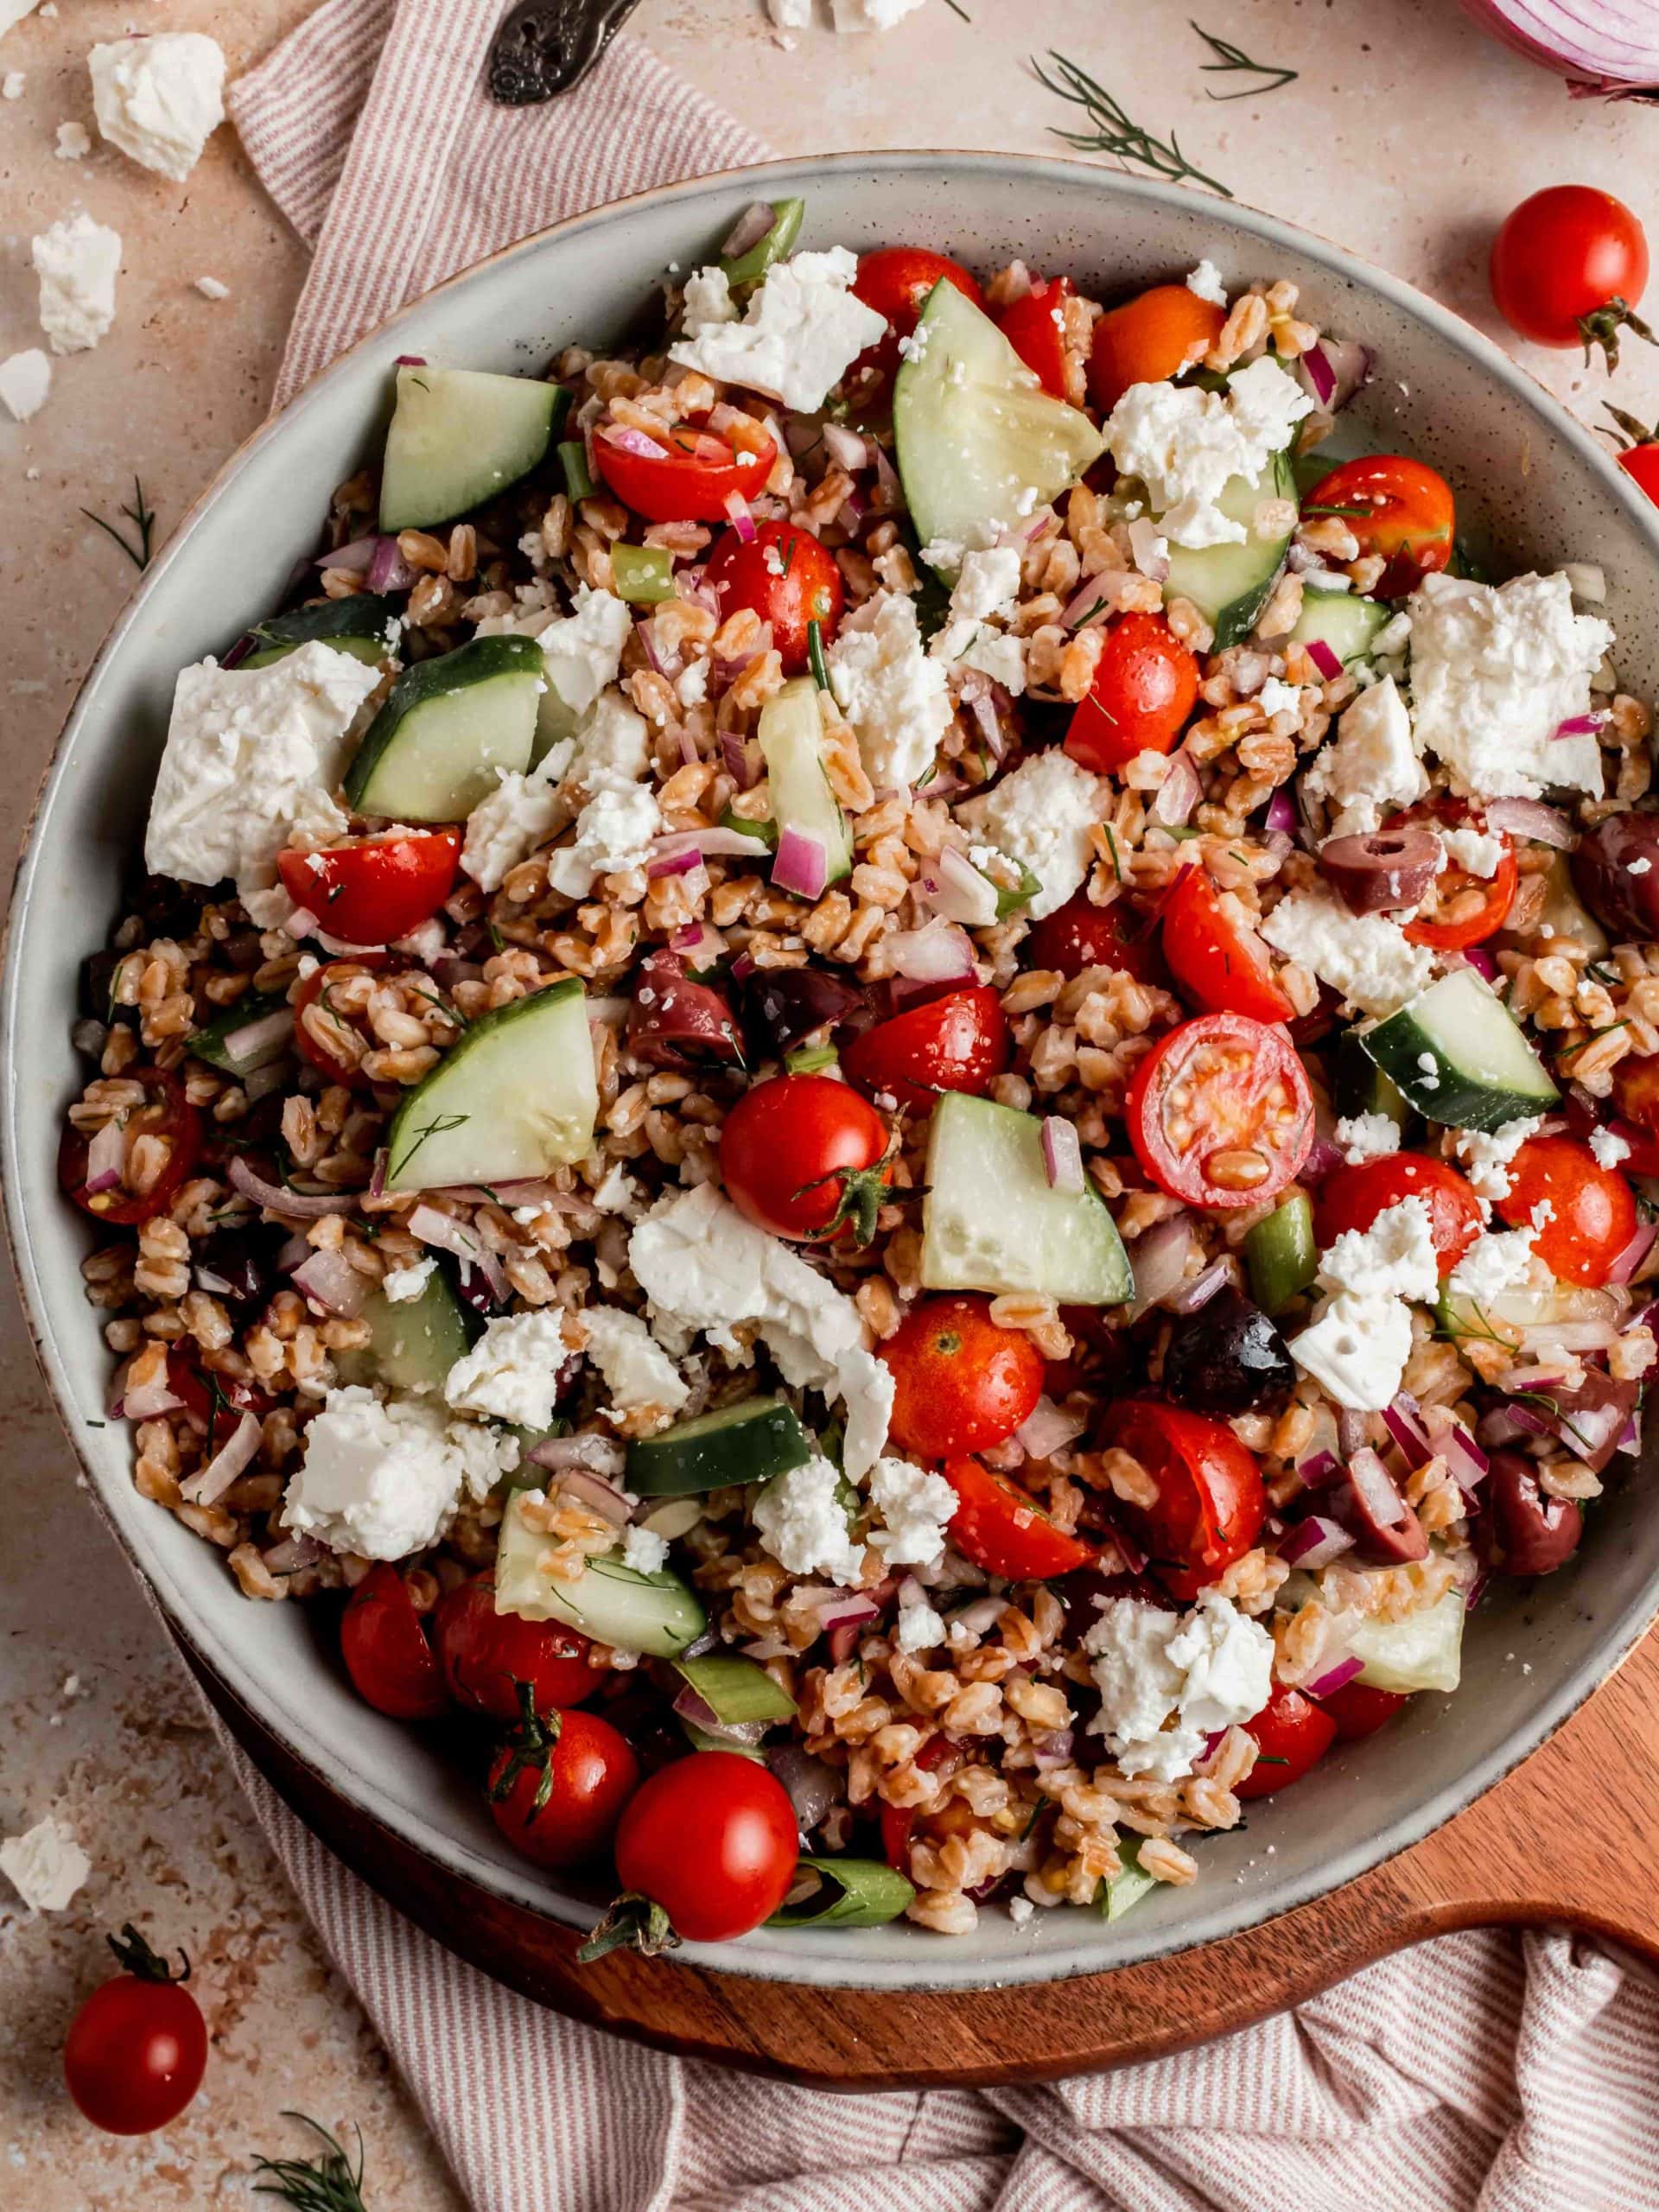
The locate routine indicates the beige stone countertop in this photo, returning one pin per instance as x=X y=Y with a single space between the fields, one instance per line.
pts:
x=1407 y=136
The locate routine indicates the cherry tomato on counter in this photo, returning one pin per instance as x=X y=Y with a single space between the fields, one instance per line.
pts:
x=167 y=1121
x=1592 y=1209
x=1081 y=935
x=895 y=280
x=328 y=1040
x=1359 y=1711
x=1001 y=1527
x=1405 y=513
x=1153 y=336
x=375 y=888
x=706 y=1850
x=1215 y=955
x=1211 y=1503
x=560 y=1782
x=137 y=2048
x=387 y=1652
x=692 y=477
x=959 y=1042
x=1294 y=1734
x=1035 y=327
x=1145 y=685
x=1220 y=1113
x=485 y=1655
x=1569 y=266
x=1352 y=1198
x=961 y=1383
x=1466 y=908
x=805 y=1156
x=784 y=577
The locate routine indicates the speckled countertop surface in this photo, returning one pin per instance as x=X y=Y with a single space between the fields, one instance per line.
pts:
x=1406 y=136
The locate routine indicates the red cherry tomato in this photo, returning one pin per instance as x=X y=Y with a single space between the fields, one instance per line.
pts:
x=1593 y=1209
x=1002 y=1528
x=784 y=577
x=1216 y=954
x=959 y=1042
x=939 y=1753
x=375 y=888
x=1293 y=1734
x=1081 y=935
x=1219 y=1113
x=1352 y=1198
x=312 y=1047
x=895 y=280
x=1467 y=909
x=485 y=1655
x=1035 y=327
x=1406 y=512
x=1639 y=457
x=692 y=480
x=382 y=1641
x=802 y=1155
x=137 y=2048
x=1145 y=685
x=1566 y=264
x=560 y=1783
x=218 y=1401
x=1153 y=336
x=166 y=1116
x=961 y=1383
x=713 y=1840
x=1359 y=1711
x=1211 y=1503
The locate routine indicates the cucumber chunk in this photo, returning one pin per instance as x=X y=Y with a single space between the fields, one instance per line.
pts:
x=412 y=1343
x=458 y=436
x=515 y=1098
x=1458 y=1057
x=791 y=742
x=656 y=1614
x=1342 y=620
x=1422 y=1652
x=991 y=1222
x=357 y=626
x=851 y=1893
x=1361 y=1087
x=1229 y=585
x=746 y=1443
x=1502 y=1319
x=449 y=726
x=734 y=1690
x=1281 y=1254
x=979 y=443
x=1128 y=1885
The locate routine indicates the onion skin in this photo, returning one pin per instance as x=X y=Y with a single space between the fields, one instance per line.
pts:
x=1575 y=38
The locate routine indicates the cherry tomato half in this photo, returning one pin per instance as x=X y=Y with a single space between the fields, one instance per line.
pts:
x=1153 y=336
x=802 y=1156
x=312 y=1039
x=691 y=479
x=166 y=1118
x=375 y=888
x=137 y=2048
x=1294 y=1734
x=486 y=1655
x=1560 y=259
x=784 y=577
x=713 y=1839
x=1081 y=935
x=1035 y=327
x=1405 y=512
x=560 y=1783
x=382 y=1641
x=1145 y=685
x=1462 y=909
x=895 y=280
x=1219 y=1113
x=961 y=1383
x=1002 y=1528
x=1640 y=459
x=1211 y=1503
x=1352 y=1198
x=1216 y=954
x=1359 y=1711
x=959 y=1042
x=1592 y=1214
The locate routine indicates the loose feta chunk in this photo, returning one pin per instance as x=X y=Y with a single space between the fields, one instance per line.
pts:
x=1486 y=1154
x=614 y=834
x=1357 y=1347
x=1610 y=1148
x=803 y=328
x=871 y=14
x=160 y=98
x=512 y=1372
x=522 y=812
x=403 y=1285
x=1494 y=671
x=1371 y=766
x=45 y=1864
x=25 y=380
x=382 y=1479
x=639 y=1373
x=1205 y=283
x=613 y=746
x=1497 y=1260
x=645 y=1551
x=800 y=1519
x=1202 y=1671
x=77 y=262
x=619 y=1193
x=1277 y=697
x=987 y=584
x=916 y=1507
x=1478 y=851
x=11 y=85
x=1184 y=444
x=1393 y=1258
x=1365 y=957
x=1367 y=1136
x=74 y=141
x=919 y=1628
x=1041 y=816
x=211 y=288
x=891 y=692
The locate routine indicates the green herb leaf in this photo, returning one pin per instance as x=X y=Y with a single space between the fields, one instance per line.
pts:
x=1116 y=131
x=142 y=518
x=326 y=2184
x=851 y=1893
x=1232 y=60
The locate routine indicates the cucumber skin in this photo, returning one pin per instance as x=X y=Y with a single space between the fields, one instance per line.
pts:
x=413 y=1345
x=365 y=616
x=1236 y=618
x=1329 y=615
x=679 y=1464
x=1281 y=1254
x=399 y=508
x=1454 y=1100
x=485 y=659
x=1361 y=1087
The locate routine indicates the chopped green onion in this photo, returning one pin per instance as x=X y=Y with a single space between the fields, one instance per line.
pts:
x=807 y=1059
x=1281 y=1254
x=1010 y=901
x=643 y=573
x=578 y=477
x=735 y=1689
x=749 y=268
x=815 y=655
x=851 y=1893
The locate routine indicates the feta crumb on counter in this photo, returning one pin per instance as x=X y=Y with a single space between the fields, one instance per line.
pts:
x=916 y=1506
x=401 y=1286
x=871 y=14
x=890 y=689
x=800 y=1520
x=74 y=141
x=1371 y=764
x=1366 y=957
x=382 y=1478
x=1486 y=1154
x=639 y=1373
x=44 y=1865
x=645 y=1551
x=1041 y=816
x=512 y=1372
x=1185 y=443
x=803 y=328
x=25 y=381
x=1367 y=1136
x=1204 y=1671
x=159 y=99
x=211 y=289
x=1205 y=283
x=11 y=85
x=77 y=262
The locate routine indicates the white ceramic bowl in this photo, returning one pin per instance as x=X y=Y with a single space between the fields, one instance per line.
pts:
x=1531 y=484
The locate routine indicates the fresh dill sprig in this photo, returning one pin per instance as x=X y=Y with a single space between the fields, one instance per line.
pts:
x=1231 y=59
x=142 y=518
x=326 y=2184
x=1116 y=132
x=957 y=10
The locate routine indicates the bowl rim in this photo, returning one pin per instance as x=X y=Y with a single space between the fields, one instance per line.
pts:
x=770 y=1954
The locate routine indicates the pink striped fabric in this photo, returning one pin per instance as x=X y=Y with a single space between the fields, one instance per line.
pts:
x=1477 y=2073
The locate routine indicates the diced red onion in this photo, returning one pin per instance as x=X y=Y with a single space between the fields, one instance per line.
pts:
x=1467 y=1462
x=276 y=1198
x=813 y=1788
x=1629 y=1437
x=106 y=1155
x=605 y=1499
x=741 y=758
x=145 y=1401
x=1376 y=1490
x=1335 y=1678
x=1096 y=599
x=1282 y=812
x=1159 y=1259
x=939 y=952
x=409 y=361
x=1319 y=1469
x=292 y=1554
x=1324 y=659
x=692 y=1706
x=210 y=1484
x=642 y=629
x=564 y=1455
x=1635 y=1252
x=675 y=863
x=955 y=888
x=252 y=1043
x=1048 y=1428
x=714 y=843
x=890 y=493
x=751 y=226
x=743 y=521
x=802 y=864
x=1144 y=549
x=301 y=924
x=1526 y=818
x=845 y=447
x=982 y=704
x=1323 y=1155
x=445 y=1234
x=1179 y=792
x=388 y=570
x=330 y=1280
x=1567 y=1336
x=1404 y=1424
x=1202 y=1288
x=1314 y=1542
x=1063 y=1156
x=1583 y=725
x=354 y=558
x=628 y=440
x=698 y=944
x=1321 y=376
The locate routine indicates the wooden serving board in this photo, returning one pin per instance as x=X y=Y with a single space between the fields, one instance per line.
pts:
x=1494 y=1864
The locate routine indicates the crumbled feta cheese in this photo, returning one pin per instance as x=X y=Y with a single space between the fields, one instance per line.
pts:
x=403 y=1285
x=1541 y=1215
x=1609 y=1147
x=77 y=262
x=1020 y=1910
x=619 y=1193
x=1478 y=852
x=891 y=692
x=692 y=686
x=614 y=834
x=25 y=380
x=1393 y=1258
x=1357 y=1347
x=1041 y=816
x=645 y=1551
x=613 y=748
x=1205 y=283
x=708 y=299
x=871 y=14
x=45 y=1864
x=522 y=812
x=1365 y=957
x=1184 y=444
x=1639 y=866
x=513 y=1371
x=638 y=1372
x=1277 y=697
x=916 y=1506
x=252 y=752
x=1371 y=765
x=1367 y=1136
x=801 y=1520
x=383 y=1479
x=987 y=584
x=1486 y=1154
x=160 y=98
x=919 y=1627
x=1497 y=1260
x=74 y=141
x=1204 y=1671
x=211 y=289
x=582 y=651
x=1494 y=671
x=803 y=328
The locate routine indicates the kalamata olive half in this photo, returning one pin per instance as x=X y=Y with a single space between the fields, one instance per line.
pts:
x=1226 y=1358
x=1616 y=872
x=783 y=1005
x=1386 y=1532
x=239 y=1265
x=1591 y=1418
x=1390 y=868
x=1519 y=1529
x=674 y=1022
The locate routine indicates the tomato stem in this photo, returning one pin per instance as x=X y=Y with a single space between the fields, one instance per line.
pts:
x=140 y=1961
x=530 y=1742
x=1636 y=434
x=1602 y=326
x=634 y=1922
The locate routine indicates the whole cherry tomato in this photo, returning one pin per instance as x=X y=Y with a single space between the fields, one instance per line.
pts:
x=137 y=2048
x=1211 y=1503
x=1395 y=507
x=1035 y=327
x=707 y=1850
x=692 y=477
x=1216 y=955
x=1146 y=685
x=1638 y=452
x=1592 y=1209
x=1293 y=1734
x=804 y=1156
x=1002 y=1528
x=1153 y=336
x=895 y=280
x=959 y=1042
x=1081 y=935
x=1352 y=1198
x=1359 y=1711
x=168 y=1121
x=1219 y=1113
x=1462 y=908
x=485 y=1655
x=961 y=1383
x=560 y=1782
x=333 y=1044
x=375 y=888
x=1569 y=266
x=786 y=577
x=384 y=1641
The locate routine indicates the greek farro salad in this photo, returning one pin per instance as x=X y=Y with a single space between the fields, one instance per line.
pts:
x=889 y=1083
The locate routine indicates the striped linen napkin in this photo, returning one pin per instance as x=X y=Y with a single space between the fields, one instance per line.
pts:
x=1479 y=2073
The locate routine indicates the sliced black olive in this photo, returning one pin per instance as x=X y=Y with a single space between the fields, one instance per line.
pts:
x=675 y=1022
x=1226 y=1358
x=783 y=1005
x=1616 y=872
x=1390 y=868
x=1520 y=1530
